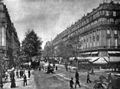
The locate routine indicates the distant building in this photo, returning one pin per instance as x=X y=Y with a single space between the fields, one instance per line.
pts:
x=9 y=42
x=97 y=34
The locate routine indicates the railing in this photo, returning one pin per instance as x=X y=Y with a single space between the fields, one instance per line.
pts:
x=100 y=48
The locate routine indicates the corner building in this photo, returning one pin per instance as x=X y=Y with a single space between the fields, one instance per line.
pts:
x=97 y=34
x=9 y=42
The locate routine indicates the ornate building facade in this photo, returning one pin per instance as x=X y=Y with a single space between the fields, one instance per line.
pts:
x=97 y=34
x=9 y=42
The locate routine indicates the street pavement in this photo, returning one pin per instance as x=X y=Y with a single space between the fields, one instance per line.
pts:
x=61 y=78
x=19 y=83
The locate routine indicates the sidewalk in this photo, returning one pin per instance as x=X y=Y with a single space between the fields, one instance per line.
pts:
x=19 y=83
x=66 y=75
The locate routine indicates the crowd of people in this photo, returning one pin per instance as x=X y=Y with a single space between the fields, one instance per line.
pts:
x=16 y=73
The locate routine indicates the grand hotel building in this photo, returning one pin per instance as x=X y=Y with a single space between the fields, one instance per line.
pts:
x=97 y=34
x=9 y=42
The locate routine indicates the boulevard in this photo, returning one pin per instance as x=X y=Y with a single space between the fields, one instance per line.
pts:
x=58 y=80
x=59 y=44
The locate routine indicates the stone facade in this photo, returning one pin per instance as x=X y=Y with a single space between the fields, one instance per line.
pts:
x=9 y=42
x=97 y=33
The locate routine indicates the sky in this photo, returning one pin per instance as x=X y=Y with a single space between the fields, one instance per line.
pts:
x=47 y=17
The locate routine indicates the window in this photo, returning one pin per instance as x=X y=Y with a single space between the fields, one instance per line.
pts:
x=107 y=13
x=116 y=43
x=114 y=13
x=111 y=20
x=103 y=12
x=108 y=31
x=108 y=42
x=1 y=7
x=90 y=38
x=97 y=37
x=115 y=31
x=93 y=38
x=2 y=15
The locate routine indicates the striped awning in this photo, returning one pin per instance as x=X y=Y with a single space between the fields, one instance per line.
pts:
x=103 y=60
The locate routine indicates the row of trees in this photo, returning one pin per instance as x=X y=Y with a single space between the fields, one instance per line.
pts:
x=63 y=49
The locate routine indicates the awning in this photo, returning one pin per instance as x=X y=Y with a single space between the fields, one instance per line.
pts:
x=99 y=60
x=113 y=52
x=104 y=60
x=94 y=52
x=114 y=59
x=87 y=53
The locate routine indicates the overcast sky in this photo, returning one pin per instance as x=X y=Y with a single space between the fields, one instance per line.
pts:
x=47 y=17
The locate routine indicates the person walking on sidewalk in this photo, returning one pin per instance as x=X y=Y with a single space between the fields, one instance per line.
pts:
x=29 y=73
x=20 y=73
x=12 y=78
x=88 y=78
x=17 y=74
x=1 y=83
x=71 y=83
x=24 y=80
x=77 y=79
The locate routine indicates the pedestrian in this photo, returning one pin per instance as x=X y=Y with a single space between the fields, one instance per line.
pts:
x=56 y=67
x=17 y=74
x=77 y=79
x=66 y=66
x=12 y=78
x=24 y=80
x=109 y=78
x=20 y=73
x=71 y=83
x=88 y=78
x=39 y=67
x=13 y=85
x=29 y=73
x=1 y=83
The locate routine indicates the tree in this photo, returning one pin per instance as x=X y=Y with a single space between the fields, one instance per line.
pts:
x=48 y=51
x=64 y=50
x=31 y=45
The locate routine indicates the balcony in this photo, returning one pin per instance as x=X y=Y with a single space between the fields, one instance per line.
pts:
x=115 y=48
x=100 y=23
